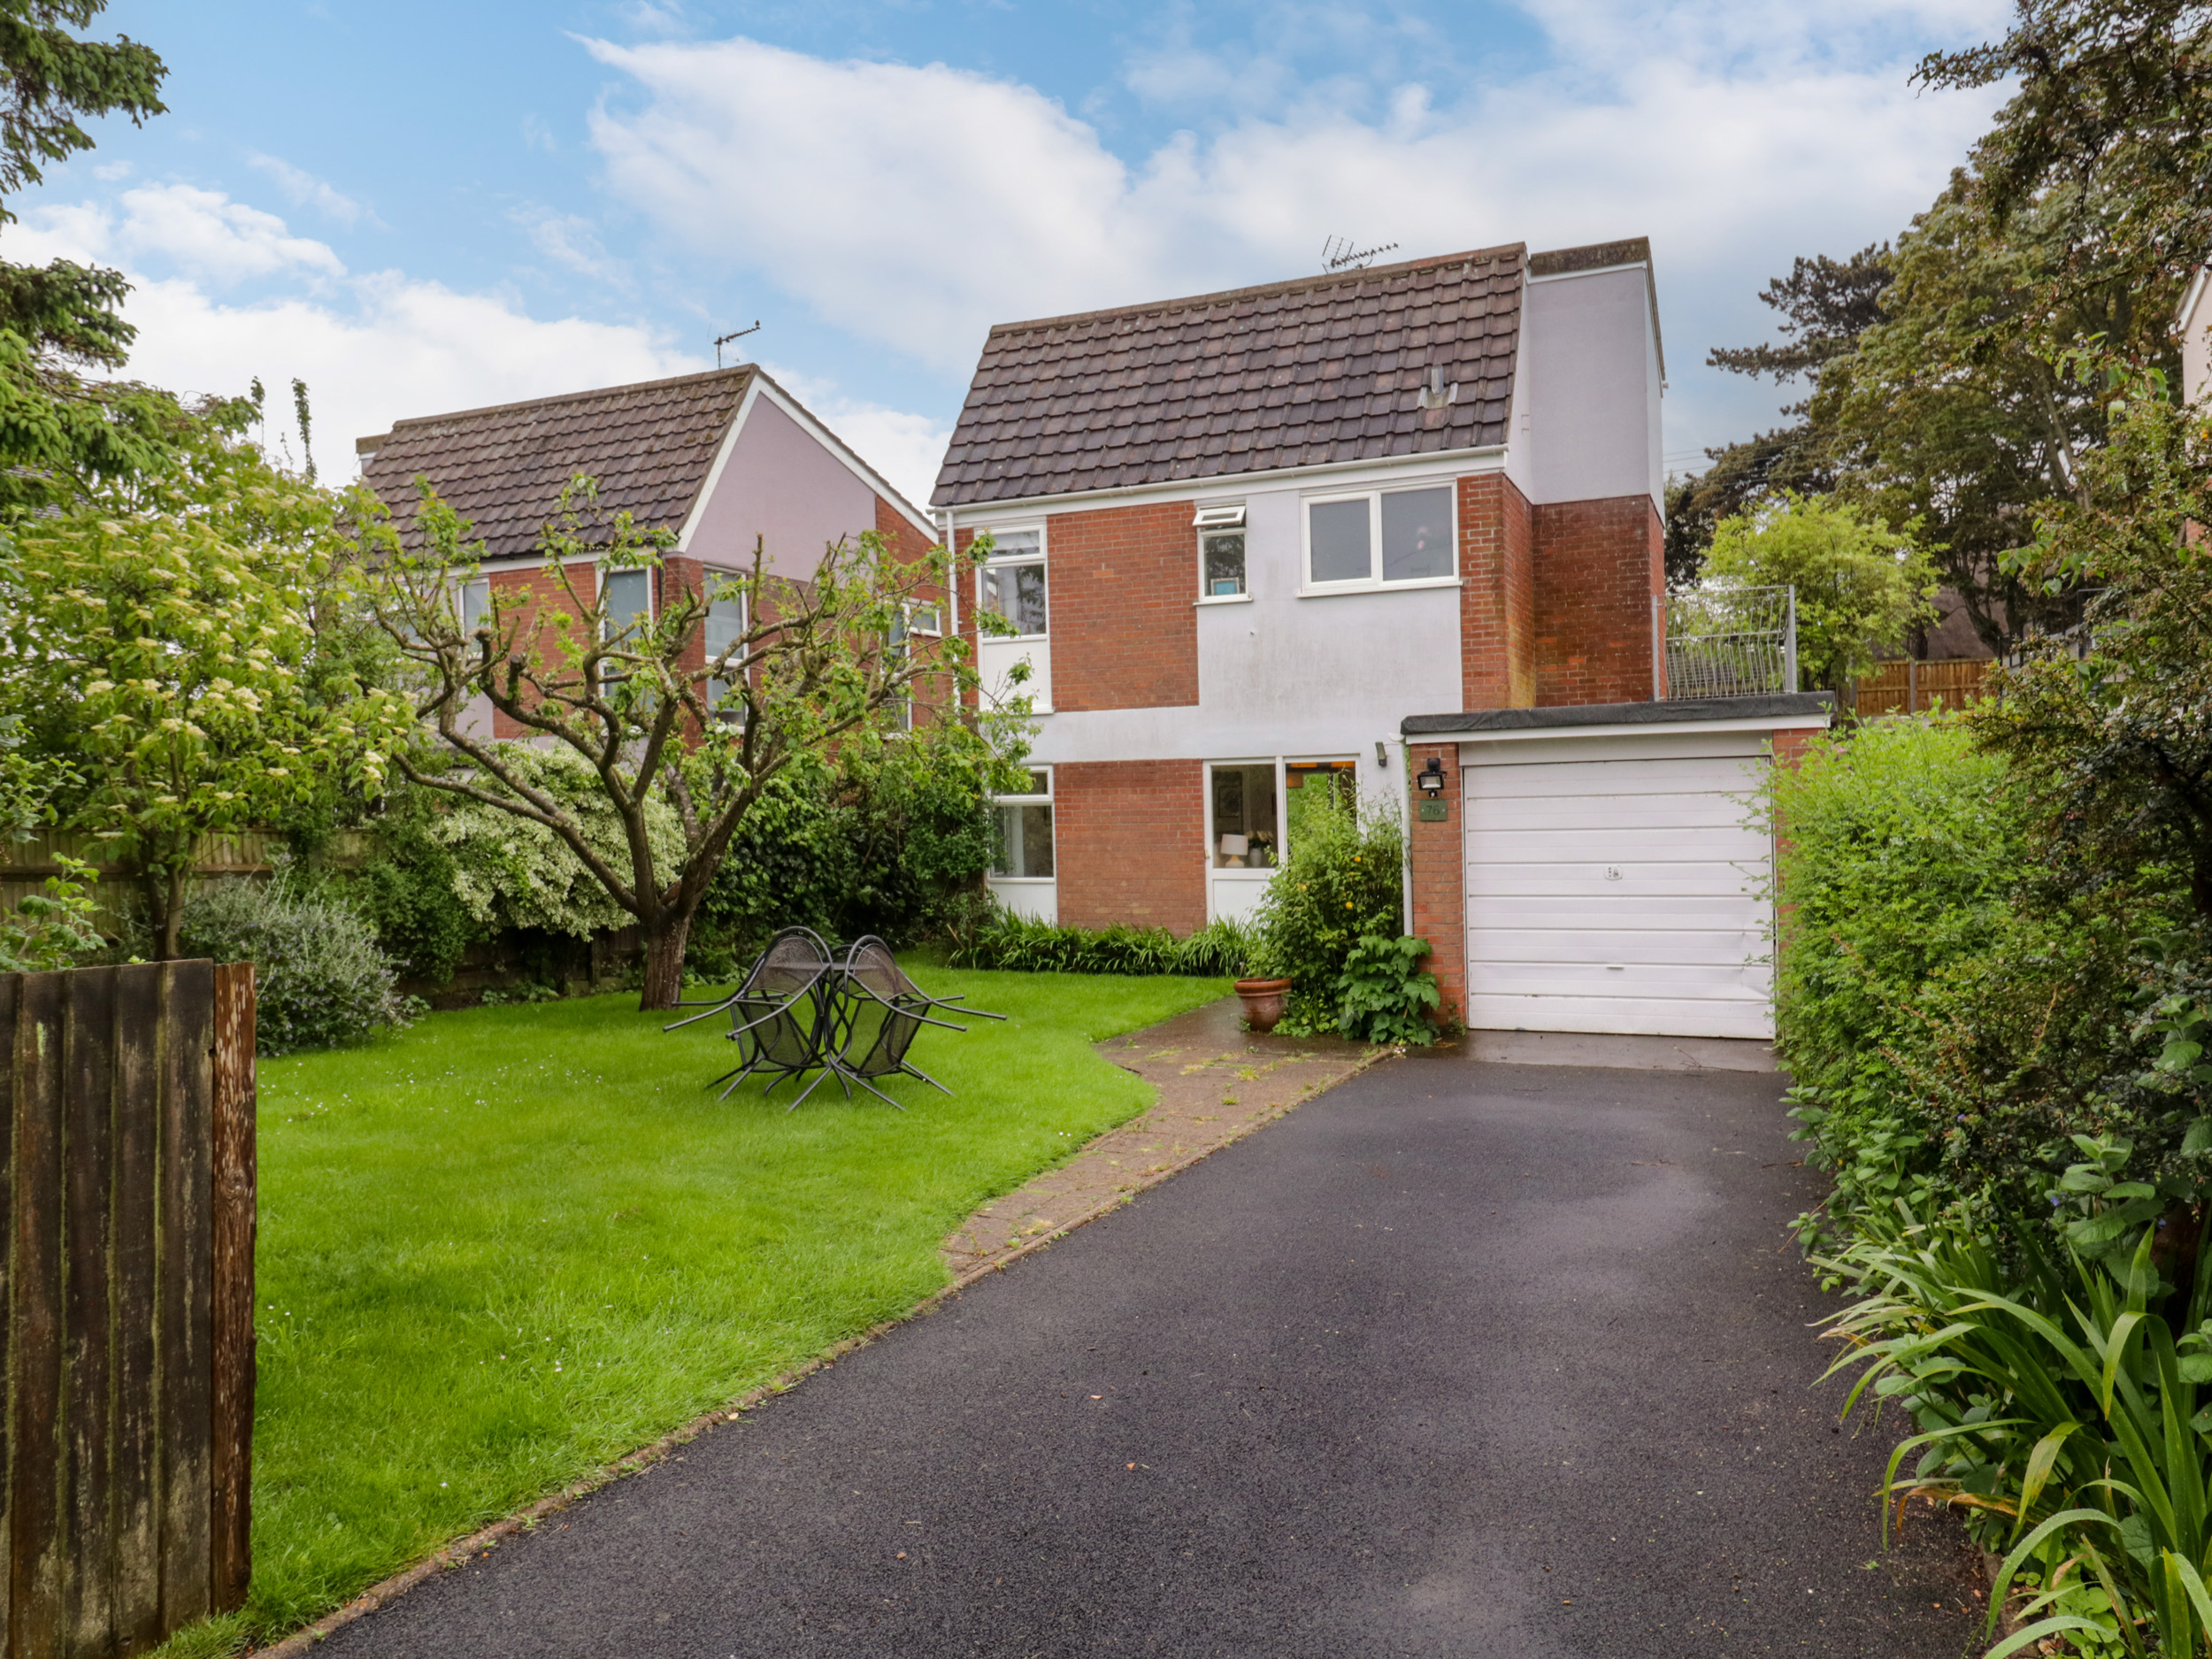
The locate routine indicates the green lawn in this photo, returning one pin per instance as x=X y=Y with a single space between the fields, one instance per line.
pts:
x=512 y=1244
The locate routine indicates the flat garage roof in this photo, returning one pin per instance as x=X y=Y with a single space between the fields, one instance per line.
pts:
x=1795 y=708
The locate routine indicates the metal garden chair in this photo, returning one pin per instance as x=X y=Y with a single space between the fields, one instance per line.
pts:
x=783 y=1013
x=879 y=1013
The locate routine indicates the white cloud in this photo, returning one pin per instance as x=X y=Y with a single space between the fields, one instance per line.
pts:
x=373 y=348
x=202 y=232
x=906 y=449
x=571 y=240
x=915 y=206
x=304 y=189
x=537 y=135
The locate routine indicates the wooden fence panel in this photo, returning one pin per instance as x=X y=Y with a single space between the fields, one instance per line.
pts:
x=127 y=1203
x=1914 y=688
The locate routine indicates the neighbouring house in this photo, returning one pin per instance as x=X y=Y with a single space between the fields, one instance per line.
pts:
x=1326 y=534
x=724 y=459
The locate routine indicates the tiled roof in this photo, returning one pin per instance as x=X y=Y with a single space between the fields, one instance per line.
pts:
x=1321 y=370
x=649 y=445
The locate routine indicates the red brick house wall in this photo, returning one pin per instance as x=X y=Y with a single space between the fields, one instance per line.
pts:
x=1437 y=852
x=1129 y=842
x=1599 y=564
x=544 y=600
x=1497 y=617
x=1119 y=587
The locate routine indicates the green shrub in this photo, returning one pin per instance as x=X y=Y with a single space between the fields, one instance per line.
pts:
x=51 y=928
x=2060 y=1405
x=407 y=890
x=1011 y=942
x=319 y=979
x=1384 y=994
x=1343 y=883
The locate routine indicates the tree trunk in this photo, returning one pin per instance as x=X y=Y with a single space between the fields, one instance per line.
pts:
x=664 y=941
x=164 y=893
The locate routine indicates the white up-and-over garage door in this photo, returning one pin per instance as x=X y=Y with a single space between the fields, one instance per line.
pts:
x=1614 y=885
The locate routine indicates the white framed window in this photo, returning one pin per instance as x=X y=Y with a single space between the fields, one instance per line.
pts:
x=1221 y=553
x=628 y=599
x=724 y=627
x=1012 y=582
x=474 y=604
x=1388 y=538
x=1023 y=851
x=923 y=616
x=1244 y=815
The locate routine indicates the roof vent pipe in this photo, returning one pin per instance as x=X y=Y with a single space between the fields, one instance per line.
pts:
x=1436 y=394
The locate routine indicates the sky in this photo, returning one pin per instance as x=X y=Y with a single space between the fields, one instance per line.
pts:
x=418 y=208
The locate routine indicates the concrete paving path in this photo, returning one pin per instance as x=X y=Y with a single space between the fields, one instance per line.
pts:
x=1481 y=1361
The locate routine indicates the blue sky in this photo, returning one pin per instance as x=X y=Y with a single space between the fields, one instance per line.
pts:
x=422 y=207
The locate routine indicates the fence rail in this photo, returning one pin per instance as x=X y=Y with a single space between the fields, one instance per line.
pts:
x=127 y=1175
x=1914 y=688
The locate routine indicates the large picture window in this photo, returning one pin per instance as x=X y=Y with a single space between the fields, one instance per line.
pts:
x=1380 y=538
x=1024 y=822
x=1012 y=584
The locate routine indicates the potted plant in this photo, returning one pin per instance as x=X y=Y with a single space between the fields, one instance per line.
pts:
x=1263 y=1001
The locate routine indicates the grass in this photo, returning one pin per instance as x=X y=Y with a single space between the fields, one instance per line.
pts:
x=508 y=1245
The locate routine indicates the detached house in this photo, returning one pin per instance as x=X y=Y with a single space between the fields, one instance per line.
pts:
x=722 y=459
x=1332 y=532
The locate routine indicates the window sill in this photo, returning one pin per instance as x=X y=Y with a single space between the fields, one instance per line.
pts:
x=1014 y=638
x=1021 y=881
x=1248 y=873
x=1330 y=590
x=1223 y=599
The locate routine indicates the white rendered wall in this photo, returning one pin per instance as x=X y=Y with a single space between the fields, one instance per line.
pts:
x=1314 y=678
x=1589 y=386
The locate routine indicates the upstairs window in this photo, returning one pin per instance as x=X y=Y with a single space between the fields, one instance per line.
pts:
x=1220 y=552
x=725 y=627
x=1012 y=584
x=1411 y=529
x=476 y=608
x=629 y=601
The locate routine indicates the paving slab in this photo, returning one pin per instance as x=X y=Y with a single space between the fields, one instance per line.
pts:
x=1456 y=1359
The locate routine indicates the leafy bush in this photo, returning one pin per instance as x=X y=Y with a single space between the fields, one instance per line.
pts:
x=51 y=928
x=895 y=843
x=2057 y=1401
x=319 y=980
x=1384 y=994
x=408 y=891
x=1029 y=946
x=1343 y=883
x=508 y=872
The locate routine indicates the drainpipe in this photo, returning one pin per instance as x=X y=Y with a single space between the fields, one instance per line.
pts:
x=1405 y=860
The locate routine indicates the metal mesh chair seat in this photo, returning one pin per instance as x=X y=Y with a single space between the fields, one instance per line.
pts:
x=881 y=1012
x=781 y=1014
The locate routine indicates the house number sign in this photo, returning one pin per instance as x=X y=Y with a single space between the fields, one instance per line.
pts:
x=1435 y=812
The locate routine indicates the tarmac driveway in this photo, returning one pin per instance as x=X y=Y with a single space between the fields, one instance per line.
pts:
x=1457 y=1359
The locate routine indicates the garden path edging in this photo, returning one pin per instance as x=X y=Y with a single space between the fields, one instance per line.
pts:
x=1188 y=1058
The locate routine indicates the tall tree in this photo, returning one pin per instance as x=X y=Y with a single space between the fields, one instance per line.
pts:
x=809 y=668
x=1826 y=305
x=60 y=433
x=180 y=636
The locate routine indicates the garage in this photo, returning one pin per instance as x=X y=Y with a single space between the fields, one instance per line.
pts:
x=1613 y=881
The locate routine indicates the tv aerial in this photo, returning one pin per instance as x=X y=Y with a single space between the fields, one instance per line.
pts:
x=725 y=340
x=1338 y=254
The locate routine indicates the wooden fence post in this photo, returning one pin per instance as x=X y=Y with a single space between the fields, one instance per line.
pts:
x=236 y=1172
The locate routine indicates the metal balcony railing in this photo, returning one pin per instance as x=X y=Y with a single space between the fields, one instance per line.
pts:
x=1720 y=640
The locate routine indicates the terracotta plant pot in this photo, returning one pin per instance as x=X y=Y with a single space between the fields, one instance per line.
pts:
x=1263 y=1001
